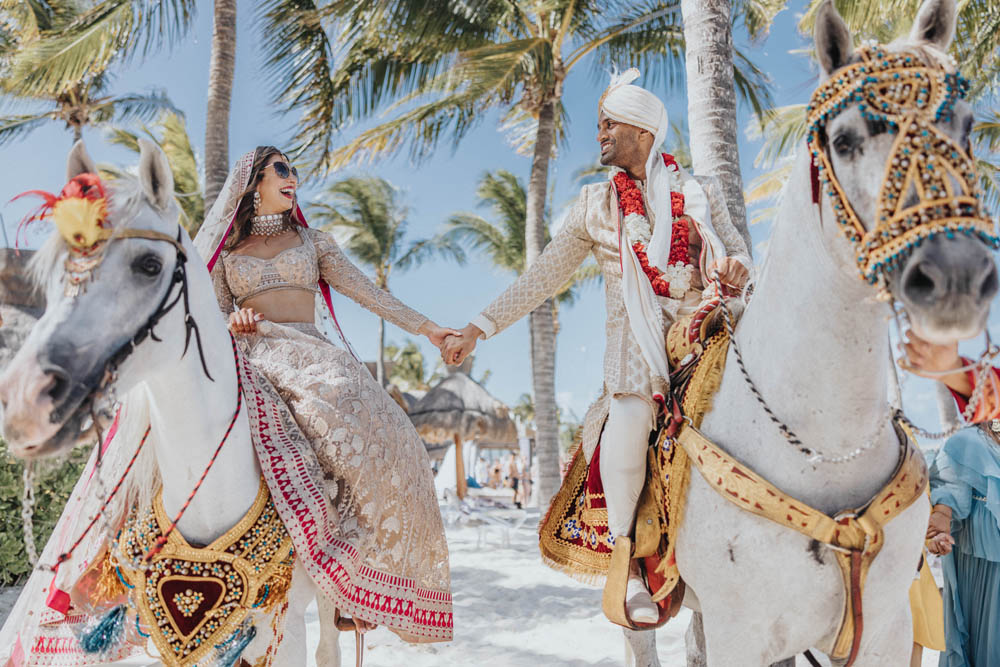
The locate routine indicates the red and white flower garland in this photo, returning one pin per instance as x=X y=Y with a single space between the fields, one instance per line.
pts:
x=676 y=280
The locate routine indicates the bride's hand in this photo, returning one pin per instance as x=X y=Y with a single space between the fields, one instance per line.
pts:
x=436 y=334
x=244 y=321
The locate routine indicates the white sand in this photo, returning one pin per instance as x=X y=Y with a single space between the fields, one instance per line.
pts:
x=513 y=611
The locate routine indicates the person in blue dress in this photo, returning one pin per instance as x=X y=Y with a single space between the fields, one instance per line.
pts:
x=965 y=529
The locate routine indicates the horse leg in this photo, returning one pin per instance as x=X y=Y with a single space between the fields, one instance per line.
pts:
x=640 y=648
x=694 y=642
x=328 y=651
x=291 y=651
x=888 y=644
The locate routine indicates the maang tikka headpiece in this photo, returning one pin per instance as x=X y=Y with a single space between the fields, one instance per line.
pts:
x=81 y=217
x=909 y=97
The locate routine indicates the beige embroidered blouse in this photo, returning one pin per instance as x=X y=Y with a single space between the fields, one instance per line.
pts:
x=592 y=227
x=239 y=277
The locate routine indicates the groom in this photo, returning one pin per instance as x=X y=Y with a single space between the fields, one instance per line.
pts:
x=655 y=232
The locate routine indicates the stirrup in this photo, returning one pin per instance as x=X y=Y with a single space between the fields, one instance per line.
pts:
x=613 y=601
x=344 y=624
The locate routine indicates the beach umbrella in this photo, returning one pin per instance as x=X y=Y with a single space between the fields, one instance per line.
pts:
x=458 y=409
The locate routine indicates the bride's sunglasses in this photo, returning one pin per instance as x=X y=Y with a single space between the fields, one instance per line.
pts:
x=282 y=169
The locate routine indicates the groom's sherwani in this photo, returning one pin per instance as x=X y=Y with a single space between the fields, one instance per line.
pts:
x=593 y=226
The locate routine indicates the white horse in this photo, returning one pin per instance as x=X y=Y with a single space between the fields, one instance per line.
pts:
x=815 y=341
x=51 y=385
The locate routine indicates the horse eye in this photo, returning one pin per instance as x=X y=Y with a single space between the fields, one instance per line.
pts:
x=148 y=264
x=844 y=144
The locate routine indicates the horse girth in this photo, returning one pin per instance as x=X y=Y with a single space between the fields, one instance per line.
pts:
x=856 y=537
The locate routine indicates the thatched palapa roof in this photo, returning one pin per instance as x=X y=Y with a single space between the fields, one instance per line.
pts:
x=458 y=405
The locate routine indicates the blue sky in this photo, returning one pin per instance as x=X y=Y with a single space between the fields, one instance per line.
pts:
x=433 y=190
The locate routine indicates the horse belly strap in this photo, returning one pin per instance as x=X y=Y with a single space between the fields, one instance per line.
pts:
x=856 y=537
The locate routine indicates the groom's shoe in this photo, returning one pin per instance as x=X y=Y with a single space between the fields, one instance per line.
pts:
x=638 y=602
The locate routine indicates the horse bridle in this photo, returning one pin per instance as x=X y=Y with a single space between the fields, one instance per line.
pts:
x=165 y=306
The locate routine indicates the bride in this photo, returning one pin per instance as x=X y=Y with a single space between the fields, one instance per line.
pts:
x=268 y=268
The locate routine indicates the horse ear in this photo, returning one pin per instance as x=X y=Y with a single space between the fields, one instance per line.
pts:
x=79 y=162
x=154 y=174
x=935 y=23
x=832 y=39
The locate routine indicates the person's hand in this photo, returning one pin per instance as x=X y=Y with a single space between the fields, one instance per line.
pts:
x=436 y=334
x=940 y=521
x=457 y=348
x=244 y=321
x=941 y=544
x=730 y=271
x=930 y=360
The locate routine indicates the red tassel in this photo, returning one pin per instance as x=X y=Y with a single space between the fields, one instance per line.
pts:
x=814 y=180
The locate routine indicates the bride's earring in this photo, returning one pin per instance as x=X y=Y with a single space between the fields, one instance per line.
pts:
x=256 y=202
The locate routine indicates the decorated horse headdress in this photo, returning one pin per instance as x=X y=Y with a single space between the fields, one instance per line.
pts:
x=901 y=90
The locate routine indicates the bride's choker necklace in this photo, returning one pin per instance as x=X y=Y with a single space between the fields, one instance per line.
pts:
x=267 y=225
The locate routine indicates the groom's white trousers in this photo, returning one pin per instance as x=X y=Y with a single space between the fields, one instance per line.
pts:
x=623 y=459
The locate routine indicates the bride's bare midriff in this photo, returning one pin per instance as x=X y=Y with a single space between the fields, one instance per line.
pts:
x=284 y=305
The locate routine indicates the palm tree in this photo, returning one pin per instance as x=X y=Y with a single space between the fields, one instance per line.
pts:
x=170 y=134
x=370 y=212
x=56 y=58
x=220 y=94
x=712 y=87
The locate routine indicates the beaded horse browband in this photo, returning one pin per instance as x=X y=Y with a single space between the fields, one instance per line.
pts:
x=909 y=97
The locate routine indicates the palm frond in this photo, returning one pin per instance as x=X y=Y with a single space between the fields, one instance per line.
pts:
x=17 y=127
x=132 y=107
x=753 y=85
x=758 y=15
x=440 y=246
x=86 y=45
x=782 y=129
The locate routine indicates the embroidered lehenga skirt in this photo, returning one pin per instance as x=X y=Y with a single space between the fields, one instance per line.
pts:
x=382 y=539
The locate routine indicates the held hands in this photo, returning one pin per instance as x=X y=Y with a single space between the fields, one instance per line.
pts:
x=730 y=271
x=939 y=539
x=437 y=335
x=460 y=345
x=244 y=321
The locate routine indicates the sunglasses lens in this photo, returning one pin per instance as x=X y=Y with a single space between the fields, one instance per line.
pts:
x=281 y=169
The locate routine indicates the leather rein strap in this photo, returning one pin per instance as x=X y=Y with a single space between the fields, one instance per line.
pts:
x=855 y=536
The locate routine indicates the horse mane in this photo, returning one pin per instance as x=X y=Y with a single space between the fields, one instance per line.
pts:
x=143 y=481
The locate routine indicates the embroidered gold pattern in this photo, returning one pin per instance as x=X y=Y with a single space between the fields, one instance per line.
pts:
x=191 y=599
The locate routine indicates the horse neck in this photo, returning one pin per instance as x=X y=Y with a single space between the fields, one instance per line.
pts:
x=814 y=339
x=189 y=416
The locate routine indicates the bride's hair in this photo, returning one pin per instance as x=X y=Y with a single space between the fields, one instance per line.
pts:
x=244 y=209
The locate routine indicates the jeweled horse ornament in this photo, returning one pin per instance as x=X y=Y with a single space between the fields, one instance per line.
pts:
x=200 y=566
x=886 y=188
x=803 y=519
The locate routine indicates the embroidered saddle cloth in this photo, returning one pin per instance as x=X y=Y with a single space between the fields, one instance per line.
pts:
x=192 y=599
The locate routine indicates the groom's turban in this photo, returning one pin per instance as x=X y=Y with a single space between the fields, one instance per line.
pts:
x=633 y=105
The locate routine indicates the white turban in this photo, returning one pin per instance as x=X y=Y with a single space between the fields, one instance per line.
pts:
x=632 y=105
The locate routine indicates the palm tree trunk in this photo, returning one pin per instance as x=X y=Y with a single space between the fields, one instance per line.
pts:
x=708 y=37
x=543 y=338
x=380 y=366
x=220 y=93
x=77 y=133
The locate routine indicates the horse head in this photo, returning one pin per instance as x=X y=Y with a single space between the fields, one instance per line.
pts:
x=110 y=274
x=919 y=231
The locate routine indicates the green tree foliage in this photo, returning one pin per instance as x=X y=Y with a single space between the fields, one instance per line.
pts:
x=53 y=485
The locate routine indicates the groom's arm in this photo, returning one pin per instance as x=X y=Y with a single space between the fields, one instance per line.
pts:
x=544 y=278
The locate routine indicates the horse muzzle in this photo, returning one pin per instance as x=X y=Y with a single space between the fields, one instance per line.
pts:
x=947 y=286
x=45 y=412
